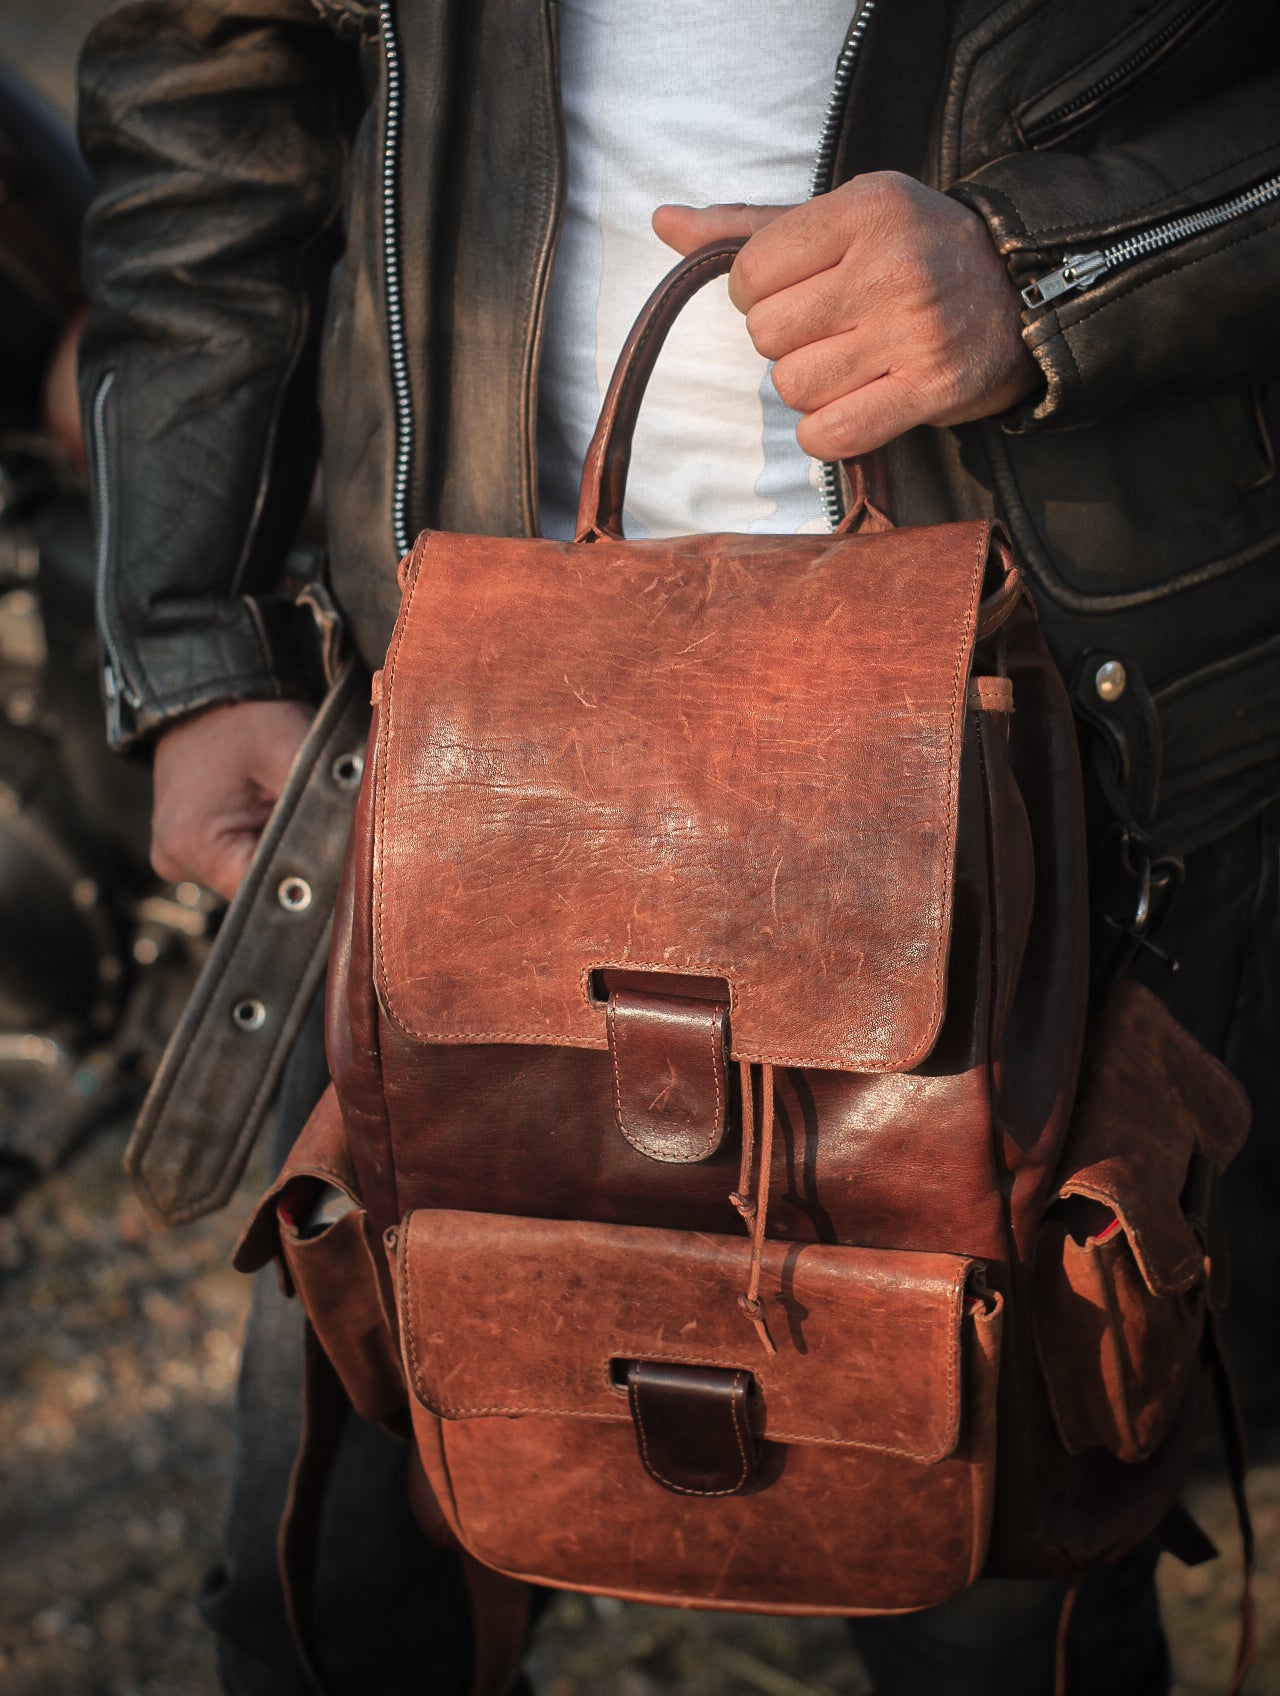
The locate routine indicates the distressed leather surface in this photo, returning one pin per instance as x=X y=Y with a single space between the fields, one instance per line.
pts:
x=1131 y=1146
x=588 y=1294
x=729 y=756
x=1121 y=1263
x=587 y=1506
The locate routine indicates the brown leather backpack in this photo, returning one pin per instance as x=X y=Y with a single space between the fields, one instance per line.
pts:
x=731 y=1217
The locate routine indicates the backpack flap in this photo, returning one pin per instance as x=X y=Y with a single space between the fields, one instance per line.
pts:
x=730 y=761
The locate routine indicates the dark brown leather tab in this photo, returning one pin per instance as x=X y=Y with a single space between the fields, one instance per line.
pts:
x=670 y=1091
x=691 y=1425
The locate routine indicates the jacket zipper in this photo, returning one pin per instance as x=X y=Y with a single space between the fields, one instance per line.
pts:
x=1080 y=271
x=115 y=689
x=392 y=290
x=820 y=181
x=1114 y=81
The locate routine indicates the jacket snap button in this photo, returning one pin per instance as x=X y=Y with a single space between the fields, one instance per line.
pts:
x=1111 y=680
x=294 y=895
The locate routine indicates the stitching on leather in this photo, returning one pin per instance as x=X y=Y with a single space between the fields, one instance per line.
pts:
x=444 y=1410
x=965 y=55
x=406 y=1314
x=710 y=1357
x=1184 y=1272
x=1037 y=236
x=1125 y=290
x=953 y=822
x=682 y=1489
x=702 y=1150
x=1139 y=27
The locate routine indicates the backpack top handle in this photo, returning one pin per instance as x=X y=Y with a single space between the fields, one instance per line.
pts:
x=604 y=474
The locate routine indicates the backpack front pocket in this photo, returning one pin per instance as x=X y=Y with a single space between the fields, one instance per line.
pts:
x=594 y=1410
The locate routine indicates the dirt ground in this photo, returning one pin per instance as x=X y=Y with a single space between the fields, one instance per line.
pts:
x=117 y=1359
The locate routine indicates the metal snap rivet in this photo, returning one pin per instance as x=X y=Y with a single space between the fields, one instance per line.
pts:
x=249 y=1014
x=294 y=895
x=1111 y=680
x=347 y=769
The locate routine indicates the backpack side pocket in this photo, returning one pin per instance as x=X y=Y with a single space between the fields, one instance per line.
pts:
x=312 y=1222
x=1120 y=1272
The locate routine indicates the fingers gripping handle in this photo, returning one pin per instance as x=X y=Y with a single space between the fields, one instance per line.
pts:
x=604 y=476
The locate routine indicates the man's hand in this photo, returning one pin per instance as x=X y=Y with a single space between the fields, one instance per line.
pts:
x=217 y=777
x=883 y=303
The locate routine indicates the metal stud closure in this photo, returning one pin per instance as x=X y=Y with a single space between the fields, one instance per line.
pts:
x=294 y=895
x=1111 y=680
x=249 y=1014
x=346 y=770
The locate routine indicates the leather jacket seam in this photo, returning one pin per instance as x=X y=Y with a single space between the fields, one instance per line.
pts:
x=1037 y=237
x=1100 y=299
x=964 y=58
x=1138 y=27
x=301 y=328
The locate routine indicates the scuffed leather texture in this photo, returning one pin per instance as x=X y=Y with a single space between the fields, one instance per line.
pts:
x=1120 y=1285
x=670 y=1084
x=664 y=791
x=1131 y=1146
x=691 y=1427
x=884 y=1379
x=590 y=1293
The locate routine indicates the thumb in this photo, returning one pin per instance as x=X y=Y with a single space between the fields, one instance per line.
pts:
x=689 y=227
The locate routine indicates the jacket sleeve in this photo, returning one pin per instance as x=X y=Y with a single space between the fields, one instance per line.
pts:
x=211 y=130
x=1201 y=313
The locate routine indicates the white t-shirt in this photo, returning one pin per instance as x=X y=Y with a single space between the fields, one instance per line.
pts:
x=694 y=101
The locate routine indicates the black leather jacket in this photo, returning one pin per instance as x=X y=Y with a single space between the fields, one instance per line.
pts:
x=326 y=218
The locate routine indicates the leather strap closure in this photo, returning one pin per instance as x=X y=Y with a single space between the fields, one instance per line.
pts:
x=670 y=1084
x=692 y=1427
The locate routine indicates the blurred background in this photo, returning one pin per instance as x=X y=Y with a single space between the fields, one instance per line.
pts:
x=118 y=1347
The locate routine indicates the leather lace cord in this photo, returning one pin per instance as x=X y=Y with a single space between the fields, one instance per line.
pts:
x=754 y=1209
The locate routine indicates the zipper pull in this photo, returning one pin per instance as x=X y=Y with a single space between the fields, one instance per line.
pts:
x=111 y=702
x=1077 y=271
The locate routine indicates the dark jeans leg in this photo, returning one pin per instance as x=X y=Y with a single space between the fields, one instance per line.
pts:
x=1000 y=1639
x=392 y=1615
